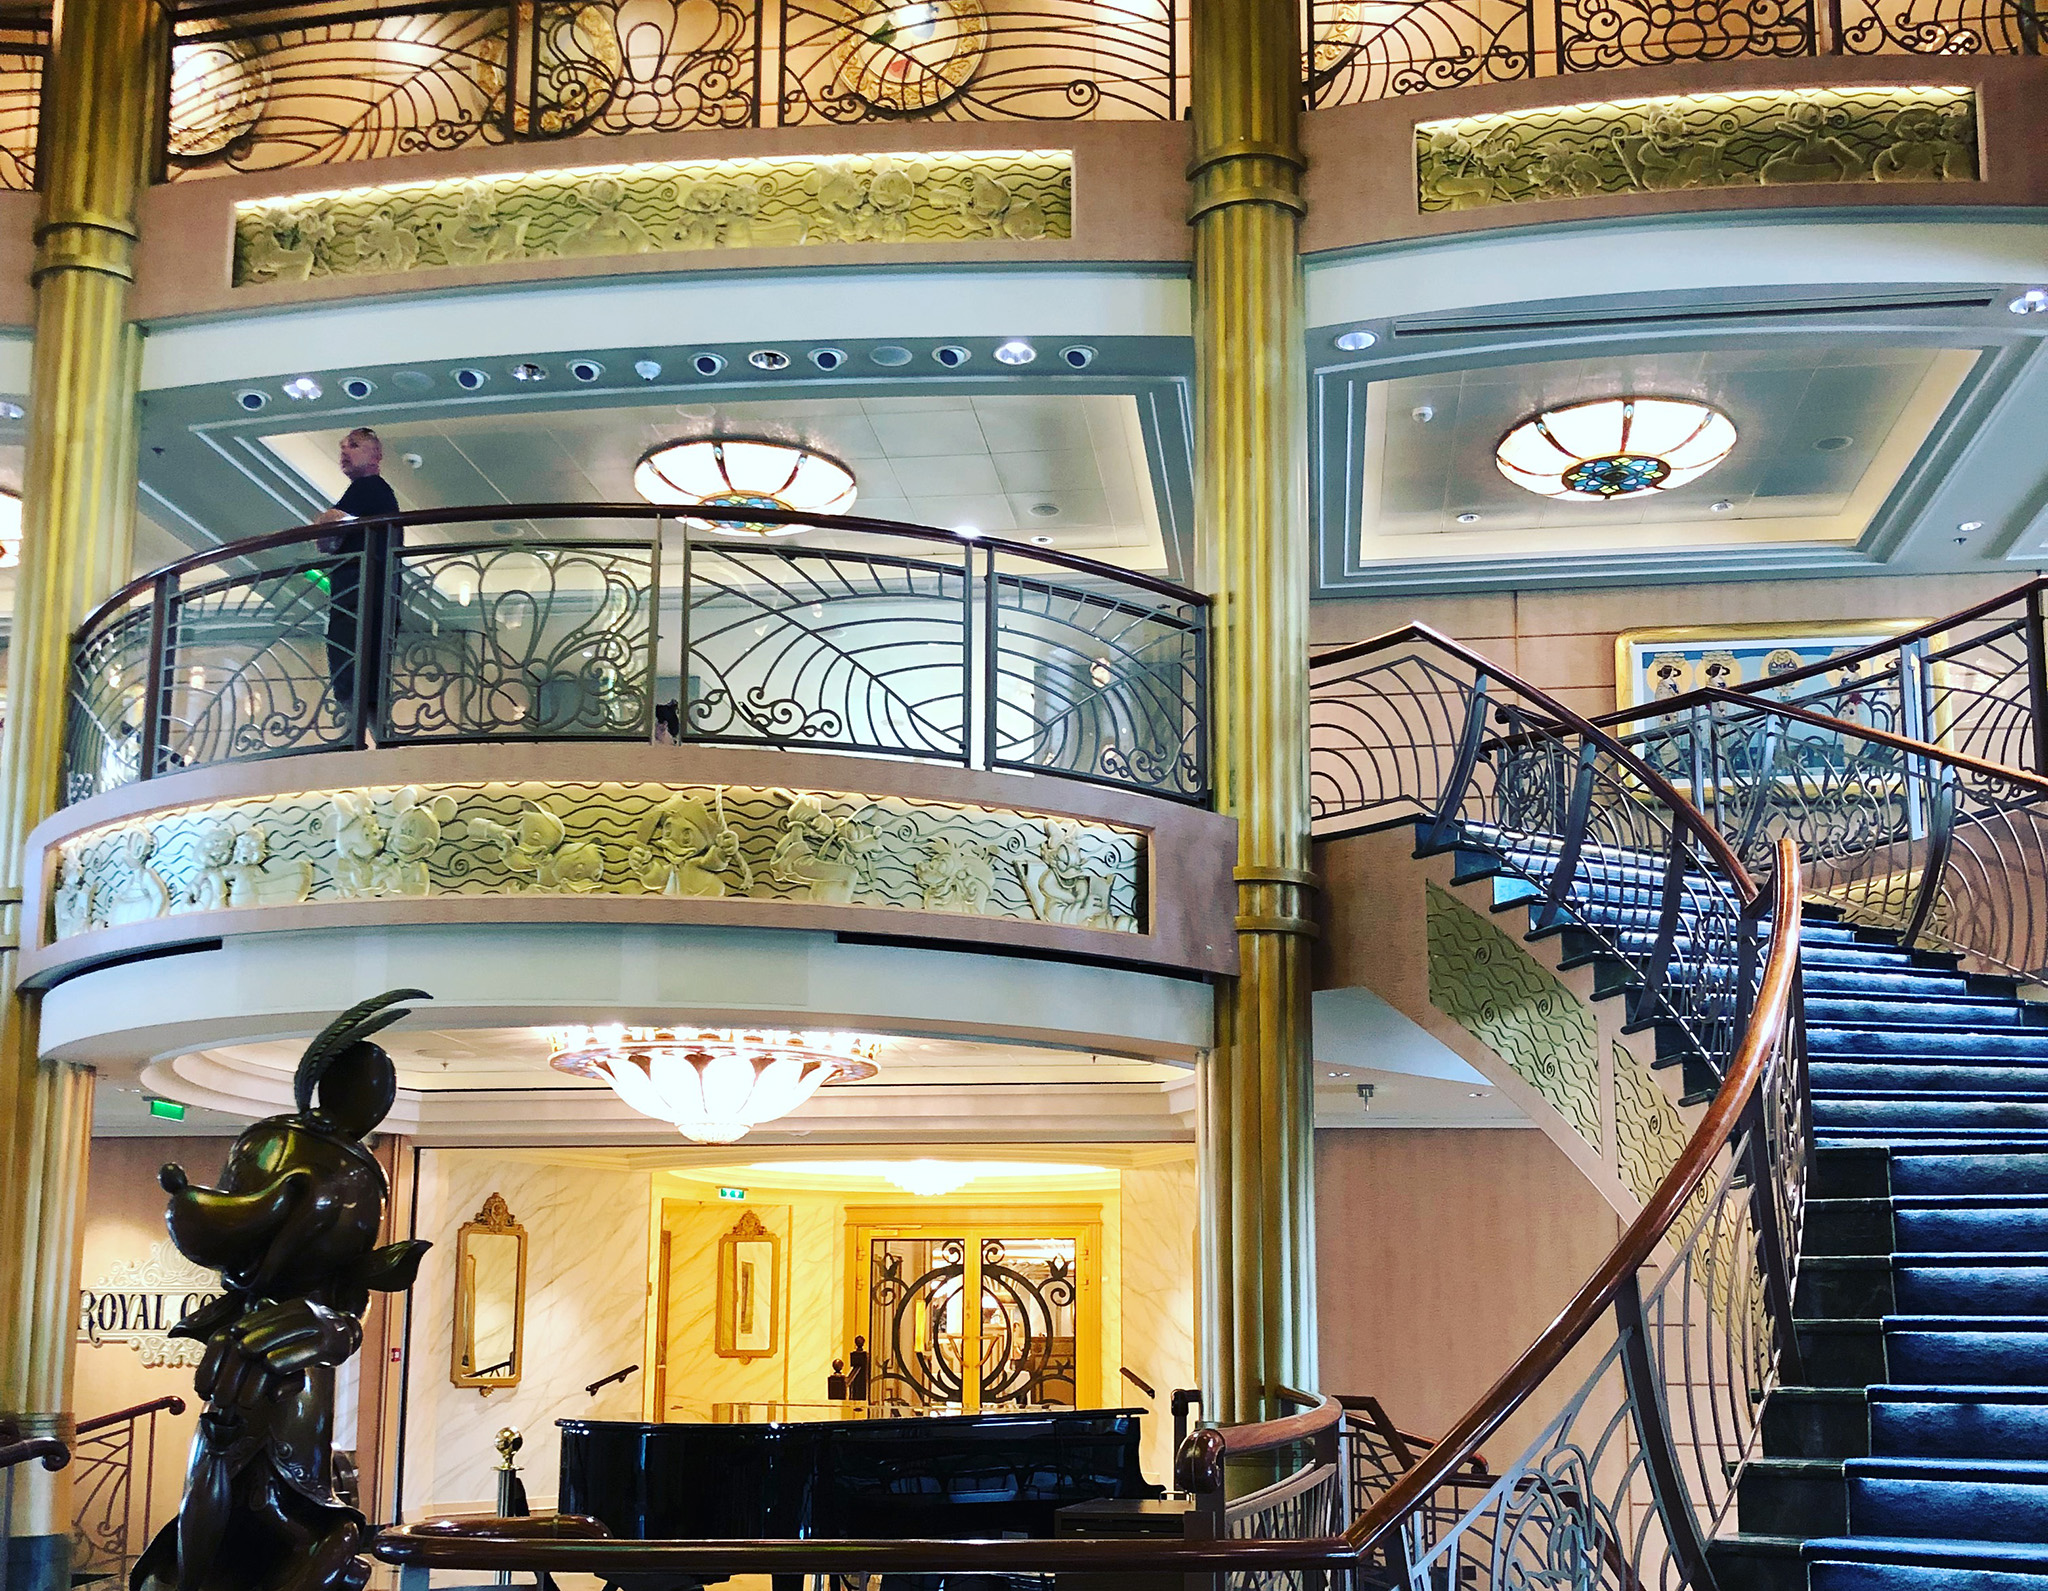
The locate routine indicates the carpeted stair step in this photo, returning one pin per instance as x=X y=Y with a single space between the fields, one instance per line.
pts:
x=1864 y=1040
x=1892 y=982
x=1974 y=1223
x=1990 y=1169
x=1910 y=1010
x=1793 y=1497
x=1962 y=1350
x=1969 y=1284
x=1817 y=1422
x=1958 y=1422
x=1937 y=1074
x=1923 y=1113
x=1948 y=1498
x=1866 y=1563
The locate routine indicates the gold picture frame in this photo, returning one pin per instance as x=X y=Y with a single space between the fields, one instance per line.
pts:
x=1734 y=655
x=749 y=1312
x=488 y=1345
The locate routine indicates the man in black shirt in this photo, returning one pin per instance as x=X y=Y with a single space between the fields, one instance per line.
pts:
x=369 y=497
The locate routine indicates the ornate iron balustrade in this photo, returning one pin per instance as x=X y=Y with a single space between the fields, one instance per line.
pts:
x=624 y=622
x=24 y=55
x=1360 y=50
x=259 y=85
x=110 y=1516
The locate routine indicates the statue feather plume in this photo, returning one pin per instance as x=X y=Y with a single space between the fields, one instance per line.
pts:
x=353 y=1026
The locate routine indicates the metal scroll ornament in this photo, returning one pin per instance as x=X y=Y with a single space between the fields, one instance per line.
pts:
x=292 y=1229
x=1023 y=1355
x=911 y=56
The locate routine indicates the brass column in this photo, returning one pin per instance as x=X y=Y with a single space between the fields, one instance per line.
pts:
x=1256 y=1120
x=78 y=496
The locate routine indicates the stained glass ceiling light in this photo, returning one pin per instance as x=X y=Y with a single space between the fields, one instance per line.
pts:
x=716 y=1085
x=745 y=472
x=1615 y=447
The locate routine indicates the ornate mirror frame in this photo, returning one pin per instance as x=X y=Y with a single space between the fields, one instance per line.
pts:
x=749 y=1257
x=493 y=1220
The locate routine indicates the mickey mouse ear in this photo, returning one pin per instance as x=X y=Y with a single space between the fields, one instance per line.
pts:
x=354 y=1079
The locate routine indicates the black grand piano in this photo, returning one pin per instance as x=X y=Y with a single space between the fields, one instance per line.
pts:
x=848 y=1470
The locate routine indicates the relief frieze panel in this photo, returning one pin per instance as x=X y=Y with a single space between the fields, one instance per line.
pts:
x=661 y=207
x=699 y=842
x=1683 y=142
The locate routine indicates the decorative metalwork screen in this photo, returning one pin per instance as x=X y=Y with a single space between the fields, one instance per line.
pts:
x=974 y=1321
x=24 y=48
x=263 y=86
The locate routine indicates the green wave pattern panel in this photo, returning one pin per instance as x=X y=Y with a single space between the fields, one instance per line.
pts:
x=1514 y=1005
x=1649 y=1134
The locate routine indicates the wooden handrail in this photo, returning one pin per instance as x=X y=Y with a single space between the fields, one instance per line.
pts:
x=852 y=524
x=1767 y=1026
x=51 y=1450
x=1682 y=809
x=171 y=1403
x=1925 y=632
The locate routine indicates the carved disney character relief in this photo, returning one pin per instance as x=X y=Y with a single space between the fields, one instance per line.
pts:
x=292 y=1229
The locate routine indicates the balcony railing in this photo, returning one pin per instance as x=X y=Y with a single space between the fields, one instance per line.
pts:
x=624 y=622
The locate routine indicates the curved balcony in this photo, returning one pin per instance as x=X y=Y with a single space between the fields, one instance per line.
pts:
x=624 y=622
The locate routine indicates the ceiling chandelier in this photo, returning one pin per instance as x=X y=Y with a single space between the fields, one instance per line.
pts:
x=1615 y=447
x=715 y=1084
x=745 y=472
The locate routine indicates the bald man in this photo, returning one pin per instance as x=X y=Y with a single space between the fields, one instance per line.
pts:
x=369 y=498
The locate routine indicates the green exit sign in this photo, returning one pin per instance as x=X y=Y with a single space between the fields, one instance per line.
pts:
x=169 y=1109
x=732 y=1193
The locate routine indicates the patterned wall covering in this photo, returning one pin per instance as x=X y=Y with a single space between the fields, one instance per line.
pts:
x=1691 y=141
x=1514 y=1005
x=1649 y=1134
x=661 y=207
x=528 y=837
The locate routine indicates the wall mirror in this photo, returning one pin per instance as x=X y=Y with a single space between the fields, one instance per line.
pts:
x=749 y=1320
x=490 y=1299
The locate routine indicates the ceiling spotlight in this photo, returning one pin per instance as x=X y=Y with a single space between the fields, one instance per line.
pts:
x=1468 y=518
x=745 y=472
x=1015 y=352
x=1969 y=525
x=2033 y=301
x=1722 y=506
x=952 y=355
x=1478 y=1093
x=1615 y=447
x=358 y=387
x=708 y=364
x=647 y=369
x=1352 y=341
x=585 y=369
x=470 y=378
x=768 y=359
x=1078 y=356
x=1422 y=413
x=828 y=358
x=528 y=372
x=251 y=399
x=1041 y=541
x=11 y=411
x=413 y=461
x=302 y=389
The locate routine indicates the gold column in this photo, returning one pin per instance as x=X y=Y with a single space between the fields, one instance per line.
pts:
x=1256 y=1119
x=100 y=116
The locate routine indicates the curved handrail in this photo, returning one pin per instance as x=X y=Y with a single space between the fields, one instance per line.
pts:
x=658 y=513
x=50 y=1449
x=624 y=621
x=1768 y=1023
x=170 y=1403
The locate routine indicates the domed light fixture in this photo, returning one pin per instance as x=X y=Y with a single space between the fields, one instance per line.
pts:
x=1615 y=447
x=716 y=1085
x=745 y=472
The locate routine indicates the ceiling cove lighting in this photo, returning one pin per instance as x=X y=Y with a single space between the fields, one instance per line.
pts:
x=745 y=472
x=715 y=1084
x=1615 y=447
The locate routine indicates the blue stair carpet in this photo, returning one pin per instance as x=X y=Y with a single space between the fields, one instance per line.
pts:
x=1915 y=1457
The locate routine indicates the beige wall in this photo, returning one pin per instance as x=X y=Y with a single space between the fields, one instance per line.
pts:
x=1440 y=1255
x=1563 y=641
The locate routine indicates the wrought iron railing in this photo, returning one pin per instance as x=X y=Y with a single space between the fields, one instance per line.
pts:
x=625 y=622
x=1360 y=50
x=24 y=57
x=259 y=85
x=111 y=1515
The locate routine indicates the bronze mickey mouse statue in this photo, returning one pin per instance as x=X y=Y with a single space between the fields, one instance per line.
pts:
x=292 y=1229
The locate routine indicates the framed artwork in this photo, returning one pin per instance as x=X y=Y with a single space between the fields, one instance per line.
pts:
x=749 y=1297
x=1650 y=665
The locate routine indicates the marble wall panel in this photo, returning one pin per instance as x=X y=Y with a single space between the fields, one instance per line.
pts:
x=1157 y=1230
x=586 y=1294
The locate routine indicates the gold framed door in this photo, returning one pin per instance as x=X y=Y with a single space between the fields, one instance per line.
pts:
x=986 y=1308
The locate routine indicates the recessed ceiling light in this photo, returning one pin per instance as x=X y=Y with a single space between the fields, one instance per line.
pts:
x=1607 y=448
x=411 y=380
x=528 y=371
x=828 y=358
x=708 y=364
x=252 y=399
x=2032 y=302
x=647 y=369
x=413 y=461
x=952 y=355
x=1479 y=1093
x=1352 y=341
x=302 y=388
x=1722 y=506
x=768 y=359
x=1969 y=525
x=1078 y=356
x=1015 y=352
x=11 y=411
x=890 y=355
x=358 y=387
x=1422 y=413
x=969 y=531
x=469 y=379
x=1046 y=510
x=1042 y=541
x=1833 y=444
x=1468 y=519
x=585 y=369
